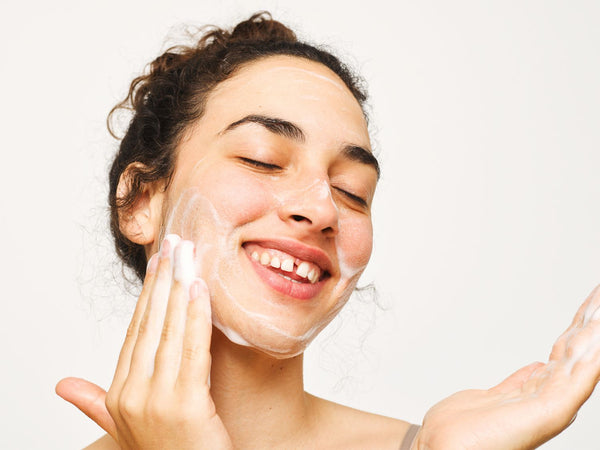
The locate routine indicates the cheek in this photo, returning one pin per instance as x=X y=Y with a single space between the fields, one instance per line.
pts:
x=238 y=197
x=211 y=203
x=354 y=242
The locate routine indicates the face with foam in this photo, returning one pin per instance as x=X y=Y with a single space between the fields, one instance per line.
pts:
x=274 y=186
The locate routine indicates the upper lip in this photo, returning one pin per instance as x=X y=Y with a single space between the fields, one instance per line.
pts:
x=298 y=250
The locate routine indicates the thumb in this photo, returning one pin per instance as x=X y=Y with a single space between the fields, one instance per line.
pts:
x=90 y=399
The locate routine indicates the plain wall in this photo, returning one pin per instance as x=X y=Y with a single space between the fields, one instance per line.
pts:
x=486 y=119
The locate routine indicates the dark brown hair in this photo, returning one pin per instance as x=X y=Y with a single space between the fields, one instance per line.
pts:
x=172 y=95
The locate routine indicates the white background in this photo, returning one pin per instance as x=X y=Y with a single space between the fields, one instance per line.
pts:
x=486 y=118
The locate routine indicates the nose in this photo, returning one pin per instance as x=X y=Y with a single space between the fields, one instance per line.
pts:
x=311 y=208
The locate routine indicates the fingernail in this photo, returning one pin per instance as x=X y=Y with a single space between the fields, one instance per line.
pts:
x=168 y=245
x=184 y=263
x=152 y=264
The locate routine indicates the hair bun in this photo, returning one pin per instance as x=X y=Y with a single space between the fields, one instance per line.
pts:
x=261 y=27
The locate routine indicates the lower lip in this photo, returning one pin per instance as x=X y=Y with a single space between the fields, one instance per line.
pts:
x=300 y=291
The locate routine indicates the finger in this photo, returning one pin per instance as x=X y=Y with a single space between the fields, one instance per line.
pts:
x=515 y=381
x=90 y=399
x=124 y=361
x=195 y=358
x=564 y=345
x=589 y=310
x=582 y=354
x=590 y=304
x=593 y=310
x=144 y=351
x=577 y=369
x=168 y=355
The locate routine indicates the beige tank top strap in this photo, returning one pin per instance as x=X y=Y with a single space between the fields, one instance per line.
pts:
x=409 y=437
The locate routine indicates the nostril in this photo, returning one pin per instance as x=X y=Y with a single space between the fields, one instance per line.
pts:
x=298 y=218
x=328 y=230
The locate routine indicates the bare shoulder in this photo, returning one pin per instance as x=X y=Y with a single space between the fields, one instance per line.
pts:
x=104 y=443
x=345 y=427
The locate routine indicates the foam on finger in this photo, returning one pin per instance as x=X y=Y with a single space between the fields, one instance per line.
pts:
x=183 y=270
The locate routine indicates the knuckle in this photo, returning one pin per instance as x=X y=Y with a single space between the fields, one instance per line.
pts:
x=132 y=330
x=143 y=328
x=129 y=406
x=168 y=332
x=192 y=353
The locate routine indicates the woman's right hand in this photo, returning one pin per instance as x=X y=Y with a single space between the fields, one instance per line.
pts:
x=160 y=395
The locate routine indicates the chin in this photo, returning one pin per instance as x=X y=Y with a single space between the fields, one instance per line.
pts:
x=279 y=341
x=278 y=314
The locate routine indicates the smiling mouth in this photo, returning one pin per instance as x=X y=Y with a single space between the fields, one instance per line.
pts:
x=287 y=266
x=285 y=272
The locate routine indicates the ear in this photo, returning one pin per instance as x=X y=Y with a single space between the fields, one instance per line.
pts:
x=140 y=221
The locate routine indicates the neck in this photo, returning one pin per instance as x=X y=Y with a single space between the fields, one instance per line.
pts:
x=261 y=400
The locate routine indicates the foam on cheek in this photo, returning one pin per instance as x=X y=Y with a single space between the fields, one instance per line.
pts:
x=196 y=219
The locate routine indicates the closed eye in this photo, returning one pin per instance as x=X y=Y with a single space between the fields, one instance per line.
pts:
x=355 y=198
x=259 y=164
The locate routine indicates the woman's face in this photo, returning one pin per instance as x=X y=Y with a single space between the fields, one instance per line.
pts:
x=274 y=185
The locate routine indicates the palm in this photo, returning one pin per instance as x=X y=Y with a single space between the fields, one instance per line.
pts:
x=532 y=405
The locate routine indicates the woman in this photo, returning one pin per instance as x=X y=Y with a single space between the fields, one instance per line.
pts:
x=241 y=195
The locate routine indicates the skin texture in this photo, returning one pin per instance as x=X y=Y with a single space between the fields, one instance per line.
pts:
x=182 y=383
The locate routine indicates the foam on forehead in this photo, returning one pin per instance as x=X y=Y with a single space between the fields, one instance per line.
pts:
x=301 y=71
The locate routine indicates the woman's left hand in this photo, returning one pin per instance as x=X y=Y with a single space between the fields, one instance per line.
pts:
x=531 y=406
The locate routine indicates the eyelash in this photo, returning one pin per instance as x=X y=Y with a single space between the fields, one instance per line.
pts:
x=355 y=198
x=260 y=164
x=266 y=166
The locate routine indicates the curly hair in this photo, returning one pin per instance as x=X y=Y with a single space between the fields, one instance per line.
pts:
x=171 y=95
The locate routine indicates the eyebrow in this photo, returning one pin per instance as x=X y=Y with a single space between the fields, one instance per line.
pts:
x=273 y=124
x=356 y=153
x=291 y=131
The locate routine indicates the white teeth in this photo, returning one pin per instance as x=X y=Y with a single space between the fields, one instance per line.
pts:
x=287 y=265
x=265 y=259
x=303 y=269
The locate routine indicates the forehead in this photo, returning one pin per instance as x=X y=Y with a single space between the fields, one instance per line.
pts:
x=295 y=89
